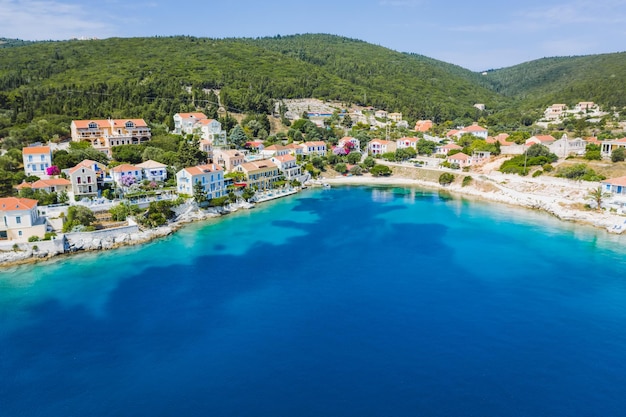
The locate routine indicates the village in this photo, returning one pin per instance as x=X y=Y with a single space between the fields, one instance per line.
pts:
x=154 y=201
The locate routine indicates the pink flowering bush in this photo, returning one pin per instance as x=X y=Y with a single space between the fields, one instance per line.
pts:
x=53 y=170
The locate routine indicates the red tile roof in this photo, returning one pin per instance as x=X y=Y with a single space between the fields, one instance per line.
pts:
x=14 y=203
x=36 y=150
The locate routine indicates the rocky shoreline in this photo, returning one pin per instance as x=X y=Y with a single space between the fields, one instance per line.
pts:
x=558 y=198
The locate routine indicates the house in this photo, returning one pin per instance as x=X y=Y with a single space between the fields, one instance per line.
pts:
x=380 y=114
x=474 y=129
x=211 y=129
x=52 y=185
x=261 y=174
x=395 y=117
x=229 y=158
x=84 y=179
x=585 y=106
x=565 y=147
x=126 y=174
x=36 y=160
x=185 y=123
x=274 y=150
x=315 y=148
x=104 y=134
x=295 y=149
x=540 y=139
x=153 y=170
x=20 y=219
x=423 y=125
x=555 y=111
x=608 y=146
x=207 y=146
x=211 y=176
x=616 y=186
x=501 y=138
x=254 y=145
x=404 y=143
x=287 y=166
x=461 y=159
x=349 y=143
x=379 y=146
x=443 y=150
x=480 y=106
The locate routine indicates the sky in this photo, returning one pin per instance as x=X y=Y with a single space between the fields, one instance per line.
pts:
x=477 y=35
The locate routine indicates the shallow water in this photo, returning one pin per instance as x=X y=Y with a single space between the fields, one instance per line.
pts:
x=351 y=301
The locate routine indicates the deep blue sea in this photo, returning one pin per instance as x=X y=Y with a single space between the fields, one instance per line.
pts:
x=352 y=301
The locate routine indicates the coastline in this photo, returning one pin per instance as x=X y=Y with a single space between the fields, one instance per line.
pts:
x=556 y=197
x=564 y=199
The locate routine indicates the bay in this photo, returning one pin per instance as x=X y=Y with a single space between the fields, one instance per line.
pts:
x=353 y=301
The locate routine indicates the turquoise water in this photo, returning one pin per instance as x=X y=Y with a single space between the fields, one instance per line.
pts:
x=345 y=302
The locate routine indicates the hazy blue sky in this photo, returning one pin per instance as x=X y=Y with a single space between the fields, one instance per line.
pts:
x=476 y=35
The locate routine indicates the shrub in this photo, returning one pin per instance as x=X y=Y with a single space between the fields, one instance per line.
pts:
x=380 y=170
x=548 y=167
x=33 y=239
x=49 y=235
x=35 y=248
x=579 y=172
x=446 y=178
x=618 y=155
x=341 y=168
x=537 y=173
x=467 y=180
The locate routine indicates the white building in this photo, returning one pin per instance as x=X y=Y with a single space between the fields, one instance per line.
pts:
x=36 y=160
x=20 y=219
x=287 y=166
x=121 y=172
x=198 y=123
x=316 y=148
x=211 y=176
x=153 y=170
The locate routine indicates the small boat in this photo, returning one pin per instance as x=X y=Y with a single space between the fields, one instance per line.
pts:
x=325 y=185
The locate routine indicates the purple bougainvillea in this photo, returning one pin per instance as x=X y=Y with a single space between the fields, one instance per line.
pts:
x=127 y=180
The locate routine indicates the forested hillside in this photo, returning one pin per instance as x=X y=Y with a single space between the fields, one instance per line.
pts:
x=415 y=85
x=145 y=77
x=598 y=78
x=154 y=78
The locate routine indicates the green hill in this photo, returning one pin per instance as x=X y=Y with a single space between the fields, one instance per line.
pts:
x=156 y=77
x=146 y=76
x=598 y=78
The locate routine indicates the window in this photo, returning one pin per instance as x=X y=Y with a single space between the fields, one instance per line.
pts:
x=92 y=125
x=78 y=180
x=130 y=124
x=18 y=220
x=19 y=233
x=30 y=158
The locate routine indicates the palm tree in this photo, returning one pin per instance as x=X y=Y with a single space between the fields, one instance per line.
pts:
x=598 y=195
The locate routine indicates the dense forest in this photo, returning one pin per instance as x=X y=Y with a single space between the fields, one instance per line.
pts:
x=154 y=78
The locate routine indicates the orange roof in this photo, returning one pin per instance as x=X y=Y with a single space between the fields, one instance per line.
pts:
x=381 y=141
x=52 y=182
x=260 y=164
x=275 y=148
x=84 y=124
x=460 y=156
x=620 y=140
x=196 y=115
x=452 y=146
x=315 y=143
x=14 y=203
x=125 y=167
x=285 y=158
x=206 y=121
x=474 y=128
x=36 y=150
x=203 y=169
x=616 y=181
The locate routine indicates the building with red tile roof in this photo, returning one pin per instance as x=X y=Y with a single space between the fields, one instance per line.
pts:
x=104 y=134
